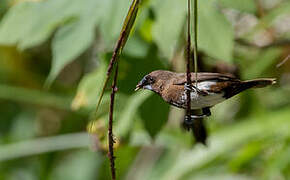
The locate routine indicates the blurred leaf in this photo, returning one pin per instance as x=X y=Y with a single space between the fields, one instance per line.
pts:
x=89 y=87
x=170 y=17
x=125 y=122
x=215 y=33
x=265 y=60
x=267 y=21
x=122 y=164
x=241 y=5
x=245 y=155
x=77 y=165
x=279 y=163
x=24 y=126
x=74 y=38
x=3 y=7
x=43 y=145
x=283 y=9
x=8 y=111
x=33 y=96
x=112 y=21
x=29 y=24
x=220 y=144
x=154 y=113
x=216 y=42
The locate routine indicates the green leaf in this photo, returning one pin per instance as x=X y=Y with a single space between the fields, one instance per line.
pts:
x=78 y=165
x=74 y=38
x=220 y=145
x=167 y=28
x=125 y=122
x=215 y=33
x=32 y=96
x=29 y=24
x=112 y=23
x=89 y=87
x=264 y=61
x=241 y=5
x=154 y=113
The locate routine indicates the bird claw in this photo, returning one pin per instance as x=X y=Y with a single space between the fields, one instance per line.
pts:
x=190 y=87
x=198 y=116
x=188 y=122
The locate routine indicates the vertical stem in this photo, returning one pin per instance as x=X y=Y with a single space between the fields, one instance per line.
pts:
x=110 y=129
x=188 y=53
x=195 y=40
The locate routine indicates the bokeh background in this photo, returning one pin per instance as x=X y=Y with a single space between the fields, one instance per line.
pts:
x=53 y=58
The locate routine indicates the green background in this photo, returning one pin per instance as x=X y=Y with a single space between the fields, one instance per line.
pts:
x=53 y=59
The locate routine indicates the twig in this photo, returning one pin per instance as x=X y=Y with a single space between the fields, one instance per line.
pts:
x=110 y=129
x=126 y=29
x=195 y=50
x=283 y=62
x=188 y=53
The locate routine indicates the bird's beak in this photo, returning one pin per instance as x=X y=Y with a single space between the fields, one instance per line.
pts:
x=138 y=87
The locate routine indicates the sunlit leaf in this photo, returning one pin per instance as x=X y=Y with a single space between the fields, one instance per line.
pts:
x=29 y=24
x=215 y=33
x=69 y=167
x=74 y=38
x=112 y=22
x=242 y=5
x=170 y=17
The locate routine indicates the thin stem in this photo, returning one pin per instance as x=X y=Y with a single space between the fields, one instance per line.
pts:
x=188 y=52
x=110 y=129
x=126 y=29
x=195 y=49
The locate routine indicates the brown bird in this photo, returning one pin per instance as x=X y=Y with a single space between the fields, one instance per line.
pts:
x=211 y=89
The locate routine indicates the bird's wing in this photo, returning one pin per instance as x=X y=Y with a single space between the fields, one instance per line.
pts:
x=204 y=76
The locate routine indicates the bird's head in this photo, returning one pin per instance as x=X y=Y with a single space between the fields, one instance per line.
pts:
x=154 y=81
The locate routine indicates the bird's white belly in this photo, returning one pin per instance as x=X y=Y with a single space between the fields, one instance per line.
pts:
x=200 y=101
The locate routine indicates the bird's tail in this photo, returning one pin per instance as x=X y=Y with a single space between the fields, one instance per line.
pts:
x=259 y=83
x=198 y=130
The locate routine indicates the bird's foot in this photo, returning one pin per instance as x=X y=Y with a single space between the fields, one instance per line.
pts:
x=189 y=119
x=190 y=87
x=187 y=122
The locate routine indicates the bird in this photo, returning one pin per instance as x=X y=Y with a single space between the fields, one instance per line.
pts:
x=206 y=91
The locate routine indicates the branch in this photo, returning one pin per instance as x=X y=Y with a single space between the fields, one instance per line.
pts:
x=126 y=29
x=125 y=32
x=195 y=49
x=188 y=55
x=110 y=129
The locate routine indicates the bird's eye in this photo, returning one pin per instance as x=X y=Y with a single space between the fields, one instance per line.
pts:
x=151 y=80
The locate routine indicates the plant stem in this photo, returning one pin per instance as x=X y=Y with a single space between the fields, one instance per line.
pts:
x=126 y=29
x=110 y=129
x=195 y=49
x=188 y=53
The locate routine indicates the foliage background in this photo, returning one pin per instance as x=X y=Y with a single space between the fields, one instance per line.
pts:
x=53 y=58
